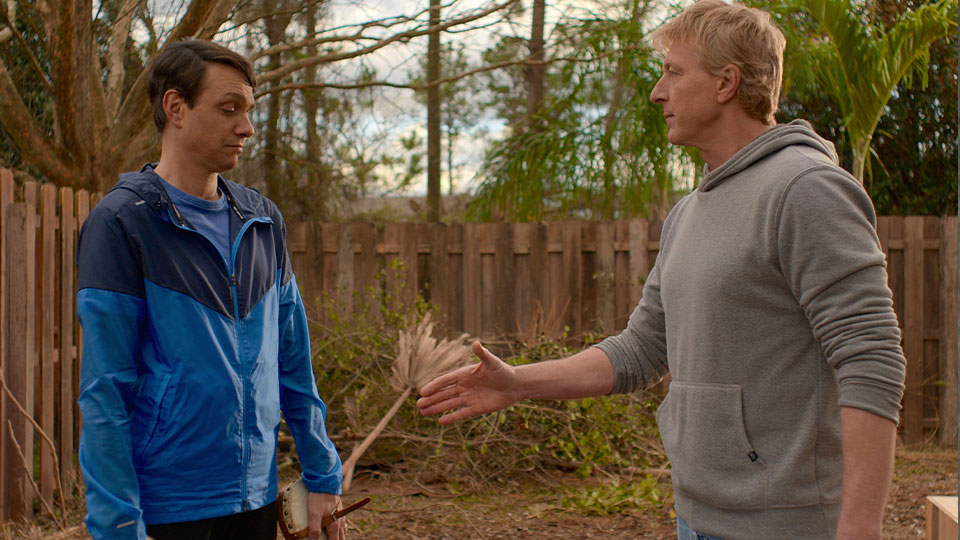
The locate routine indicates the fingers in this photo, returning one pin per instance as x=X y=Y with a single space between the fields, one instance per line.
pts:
x=458 y=415
x=337 y=530
x=442 y=381
x=439 y=401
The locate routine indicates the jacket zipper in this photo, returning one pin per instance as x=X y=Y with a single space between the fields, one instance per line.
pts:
x=243 y=379
x=178 y=222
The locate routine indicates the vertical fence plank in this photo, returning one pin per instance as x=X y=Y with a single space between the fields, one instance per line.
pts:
x=48 y=229
x=365 y=237
x=455 y=235
x=345 y=268
x=947 y=436
x=573 y=266
x=83 y=210
x=438 y=274
x=68 y=354
x=504 y=287
x=913 y=330
x=408 y=254
x=488 y=303
x=471 y=279
x=639 y=257
x=605 y=270
x=523 y=303
x=328 y=267
x=6 y=198
x=931 y=321
x=18 y=369
x=540 y=279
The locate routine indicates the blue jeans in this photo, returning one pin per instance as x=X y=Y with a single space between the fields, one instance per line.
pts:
x=684 y=532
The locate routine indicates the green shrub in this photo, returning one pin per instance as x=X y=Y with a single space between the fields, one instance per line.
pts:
x=353 y=354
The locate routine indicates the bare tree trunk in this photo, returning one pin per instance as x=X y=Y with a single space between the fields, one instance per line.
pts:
x=311 y=106
x=609 y=122
x=276 y=30
x=535 y=71
x=433 y=115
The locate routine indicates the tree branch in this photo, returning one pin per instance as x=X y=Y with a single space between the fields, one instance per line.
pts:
x=117 y=46
x=453 y=78
x=46 y=438
x=33 y=59
x=292 y=67
x=29 y=137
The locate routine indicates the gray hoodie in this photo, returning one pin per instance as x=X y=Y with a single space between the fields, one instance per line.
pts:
x=769 y=305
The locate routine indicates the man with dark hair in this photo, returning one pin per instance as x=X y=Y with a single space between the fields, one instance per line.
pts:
x=768 y=305
x=195 y=335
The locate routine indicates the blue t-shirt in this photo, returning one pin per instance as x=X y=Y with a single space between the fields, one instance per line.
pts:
x=211 y=218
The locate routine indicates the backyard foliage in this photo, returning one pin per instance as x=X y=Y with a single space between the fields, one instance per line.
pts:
x=353 y=356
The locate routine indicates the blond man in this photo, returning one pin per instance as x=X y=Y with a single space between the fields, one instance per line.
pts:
x=768 y=305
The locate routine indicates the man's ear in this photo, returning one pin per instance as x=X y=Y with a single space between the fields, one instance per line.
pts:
x=174 y=106
x=728 y=83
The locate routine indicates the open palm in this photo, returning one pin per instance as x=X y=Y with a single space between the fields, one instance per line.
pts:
x=470 y=391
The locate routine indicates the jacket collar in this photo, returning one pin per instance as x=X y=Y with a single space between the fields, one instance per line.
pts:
x=244 y=202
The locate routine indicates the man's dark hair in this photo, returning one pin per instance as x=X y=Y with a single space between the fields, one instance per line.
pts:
x=181 y=67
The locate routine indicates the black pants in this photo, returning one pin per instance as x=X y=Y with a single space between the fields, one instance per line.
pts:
x=259 y=524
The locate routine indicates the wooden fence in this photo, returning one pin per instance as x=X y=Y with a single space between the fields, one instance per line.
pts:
x=39 y=338
x=496 y=281
x=503 y=281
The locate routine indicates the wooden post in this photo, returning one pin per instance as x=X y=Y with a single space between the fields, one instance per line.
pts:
x=6 y=199
x=345 y=269
x=455 y=280
x=68 y=351
x=605 y=270
x=18 y=274
x=486 y=240
x=948 y=331
x=573 y=269
x=83 y=210
x=639 y=257
x=504 y=287
x=408 y=254
x=539 y=274
x=48 y=309
x=471 y=279
x=439 y=271
x=913 y=330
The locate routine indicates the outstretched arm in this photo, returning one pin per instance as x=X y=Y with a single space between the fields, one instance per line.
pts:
x=493 y=384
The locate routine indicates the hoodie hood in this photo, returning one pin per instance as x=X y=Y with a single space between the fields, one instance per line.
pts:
x=798 y=132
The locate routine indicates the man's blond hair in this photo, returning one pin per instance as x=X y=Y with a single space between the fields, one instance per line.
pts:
x=726 y=34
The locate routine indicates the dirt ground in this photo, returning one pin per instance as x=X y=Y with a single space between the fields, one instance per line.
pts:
x=526 y=509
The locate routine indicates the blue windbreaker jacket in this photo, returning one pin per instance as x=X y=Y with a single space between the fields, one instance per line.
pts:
x=186 y=367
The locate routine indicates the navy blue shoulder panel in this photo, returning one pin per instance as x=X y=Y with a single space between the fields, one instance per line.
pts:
x=106 y=257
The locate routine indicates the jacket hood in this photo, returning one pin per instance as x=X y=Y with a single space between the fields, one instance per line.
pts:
x=798 y=132
x=149 y=187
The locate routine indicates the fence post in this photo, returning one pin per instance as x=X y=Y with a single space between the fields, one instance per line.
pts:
x=605 y=270
x=913 y=329
x=948 y=331
x=48 y=309
x=6 y=198
x=18 y=275
x=68 y=351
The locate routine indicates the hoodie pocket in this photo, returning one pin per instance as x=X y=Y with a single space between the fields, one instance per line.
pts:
x=704 y=436
x=155 y=407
